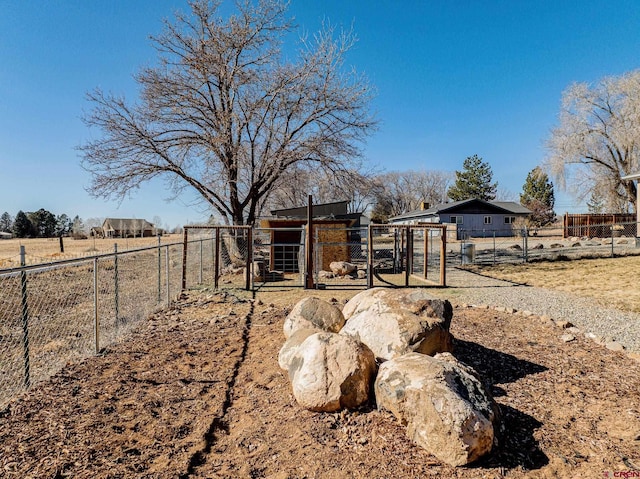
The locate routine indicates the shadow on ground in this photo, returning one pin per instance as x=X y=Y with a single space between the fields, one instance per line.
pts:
x=517 y=446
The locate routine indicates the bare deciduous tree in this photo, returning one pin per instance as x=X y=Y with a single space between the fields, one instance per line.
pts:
x=403 y=191
x=598 y=139
x=226 y=115
x=358 y=187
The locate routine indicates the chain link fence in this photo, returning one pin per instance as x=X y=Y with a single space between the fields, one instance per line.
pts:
x=217 y=255
x=56 y=313
x=521 y=244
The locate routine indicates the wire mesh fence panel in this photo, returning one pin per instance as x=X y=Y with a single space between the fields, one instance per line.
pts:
x=278 y=257
x=49 y=326
x=387 y=255
x=58 y=313
x=521 y=244
x=200 y=258
x=340 y=256
x=426 y=253
x=216 y=256
x=172 y=272
x=14 y=367
x=488 y=247
x=136 y=290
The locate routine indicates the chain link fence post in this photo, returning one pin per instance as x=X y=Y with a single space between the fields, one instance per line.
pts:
x=166 y=255
x=115 y=284
x=159 y=270
x=612 y=239
x=201 y=263
x=494 y=248
x=96 y=321
x=216 y=260
x=25 y=318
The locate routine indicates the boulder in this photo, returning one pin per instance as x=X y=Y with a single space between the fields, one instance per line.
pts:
x=325 y=274
x=415 y=300
x=395 y=322
x=442 y=402
x=329 y=372
x=291 y=345
x=313 y=313
x=342 y=268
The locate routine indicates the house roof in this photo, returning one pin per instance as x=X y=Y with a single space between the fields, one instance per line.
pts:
x=508 y=207
x=129 y=224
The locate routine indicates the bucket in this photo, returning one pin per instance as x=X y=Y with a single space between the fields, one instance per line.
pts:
x=468 y=253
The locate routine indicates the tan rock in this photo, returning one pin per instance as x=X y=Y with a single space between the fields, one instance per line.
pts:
x=342 y=268
x=394 y=322
x=291 y=345
x=329 y=372
x=442 y=402
x=313 y=313
x=614 y=346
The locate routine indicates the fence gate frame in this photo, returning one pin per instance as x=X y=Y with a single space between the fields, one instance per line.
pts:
x=405 y=249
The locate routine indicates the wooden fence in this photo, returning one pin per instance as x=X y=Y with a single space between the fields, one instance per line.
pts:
x=595 y=225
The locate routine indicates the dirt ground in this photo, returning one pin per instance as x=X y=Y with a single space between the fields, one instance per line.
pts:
x=197 y=393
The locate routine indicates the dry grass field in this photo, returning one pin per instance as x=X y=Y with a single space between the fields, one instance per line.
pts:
x=612 y=282
x=44 y=250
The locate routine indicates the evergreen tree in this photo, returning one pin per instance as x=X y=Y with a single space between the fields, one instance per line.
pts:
x=537 y=195
x=44 y=223
x=474 y=181
x=22 y=227
x=6 y=222
x=595 y=205
x=63 y=225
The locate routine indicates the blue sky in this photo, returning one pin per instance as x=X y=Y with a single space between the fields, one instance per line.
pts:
x=453 y=79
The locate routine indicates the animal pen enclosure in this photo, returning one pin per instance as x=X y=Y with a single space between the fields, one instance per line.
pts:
x=285 y=254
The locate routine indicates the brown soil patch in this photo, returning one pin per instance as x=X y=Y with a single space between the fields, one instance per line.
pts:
x=197 y=393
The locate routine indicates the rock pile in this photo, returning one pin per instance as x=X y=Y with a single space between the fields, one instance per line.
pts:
x=331 y=356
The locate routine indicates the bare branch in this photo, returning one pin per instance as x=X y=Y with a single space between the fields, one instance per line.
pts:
x=224 y=114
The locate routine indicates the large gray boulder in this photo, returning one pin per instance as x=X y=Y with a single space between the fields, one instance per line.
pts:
x=313 y=313
x=442 y=402
x=396 y=322
x=329 y=372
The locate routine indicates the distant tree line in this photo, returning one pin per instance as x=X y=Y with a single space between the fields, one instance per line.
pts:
x=40 y=224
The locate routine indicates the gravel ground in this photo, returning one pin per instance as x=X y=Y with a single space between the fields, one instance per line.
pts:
x=607 y=323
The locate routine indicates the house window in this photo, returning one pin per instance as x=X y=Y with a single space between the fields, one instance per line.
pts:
x=456 y=219
x=509 y=220
x=487 y=220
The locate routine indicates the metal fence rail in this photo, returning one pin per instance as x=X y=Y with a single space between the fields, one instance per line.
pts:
x=533 y=244
x=56 y=313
